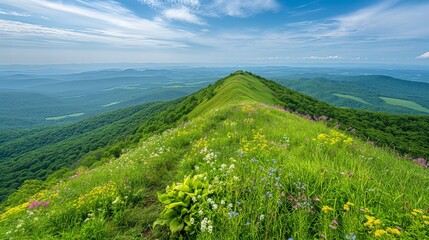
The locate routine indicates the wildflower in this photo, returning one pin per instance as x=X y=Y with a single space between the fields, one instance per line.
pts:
x=416 y=212
x=347 y=206
x=194 y=199
x=261 y=217
x=192 y=220
x=323 y=236
x=316 y=199
x=351 y=236
x=200 y=212
x=370 y=221
x=116 y=200
x=380 y=232
x=393 y=231
x=214 y=206
x=335 y=222
x=327 y=209
x=233 y=214
x=239 y=203
x=333 y=227
x=230 y=206
x=247 y=223
x=222 y=202
x=426 y=222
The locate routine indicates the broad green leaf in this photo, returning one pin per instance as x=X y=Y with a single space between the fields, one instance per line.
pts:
x=176 y=225
x=173 y=205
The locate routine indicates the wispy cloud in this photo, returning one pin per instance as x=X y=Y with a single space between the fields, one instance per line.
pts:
x=96 y=22
x=424 y=55
x=13 y=13
x=244 y=8
x=216 y=8
x=387 y=20
x=182 y=14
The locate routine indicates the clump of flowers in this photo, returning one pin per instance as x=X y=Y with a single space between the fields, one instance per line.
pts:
x=326 y=209
x=347 y=206
x=98 y=196
x=36 y=204
x=422 y=162
x=334 y=137
x=371 y=222
x=380 y=232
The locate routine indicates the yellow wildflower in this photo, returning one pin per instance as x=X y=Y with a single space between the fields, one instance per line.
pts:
x=380 y=232
x=425 y=217
x=347 y=206
x=377 y=222
x=393 y=231
x=327 y=209
x=14 y=210
x=348 y=140
x=417 y=212
x=426 y=222
x=369 y=221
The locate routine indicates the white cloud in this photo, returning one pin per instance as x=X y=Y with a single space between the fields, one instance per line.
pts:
x=13 y=13
x=388 y=20
x=424 y=56
x=105 y=22
x=233 y=8
x=182 y=14
x=244 y=8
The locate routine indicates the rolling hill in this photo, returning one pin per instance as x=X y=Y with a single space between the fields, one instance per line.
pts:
x=367 y=92
x=244 y=158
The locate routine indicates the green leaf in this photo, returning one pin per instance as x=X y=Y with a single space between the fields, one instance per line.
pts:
x=160 y=222
x=176 y=204
x=170 y=214
x=184 y=211
x=176 y=225
x=164 y=198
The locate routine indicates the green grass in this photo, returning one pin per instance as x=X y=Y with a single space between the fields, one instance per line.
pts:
x=238 y=88
x=64 y=116
x=271 y=175
x=405 y=104
x=273 y=168
x=357 y=99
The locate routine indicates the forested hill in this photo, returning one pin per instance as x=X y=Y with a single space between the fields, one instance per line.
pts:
x=37 y=154
x=242 y=159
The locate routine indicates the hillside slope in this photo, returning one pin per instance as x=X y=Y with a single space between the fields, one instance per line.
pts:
x=238 y=169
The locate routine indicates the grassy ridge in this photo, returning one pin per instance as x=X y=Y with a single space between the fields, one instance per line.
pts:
x=258 y=172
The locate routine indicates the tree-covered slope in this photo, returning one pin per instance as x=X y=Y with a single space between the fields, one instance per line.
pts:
x=405 y=133
x=37 y=154
x=240 y=170
x=364 y=92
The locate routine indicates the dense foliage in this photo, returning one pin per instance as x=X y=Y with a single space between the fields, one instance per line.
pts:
x=405 y=133
x=364 y=92
x=37 y=155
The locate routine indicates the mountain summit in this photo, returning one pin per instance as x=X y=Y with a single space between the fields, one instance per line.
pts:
x=239 y=166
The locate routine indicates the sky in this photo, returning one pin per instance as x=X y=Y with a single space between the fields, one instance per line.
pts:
x=224 y=32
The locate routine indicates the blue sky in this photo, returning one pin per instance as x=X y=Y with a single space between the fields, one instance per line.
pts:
x=224 y=32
